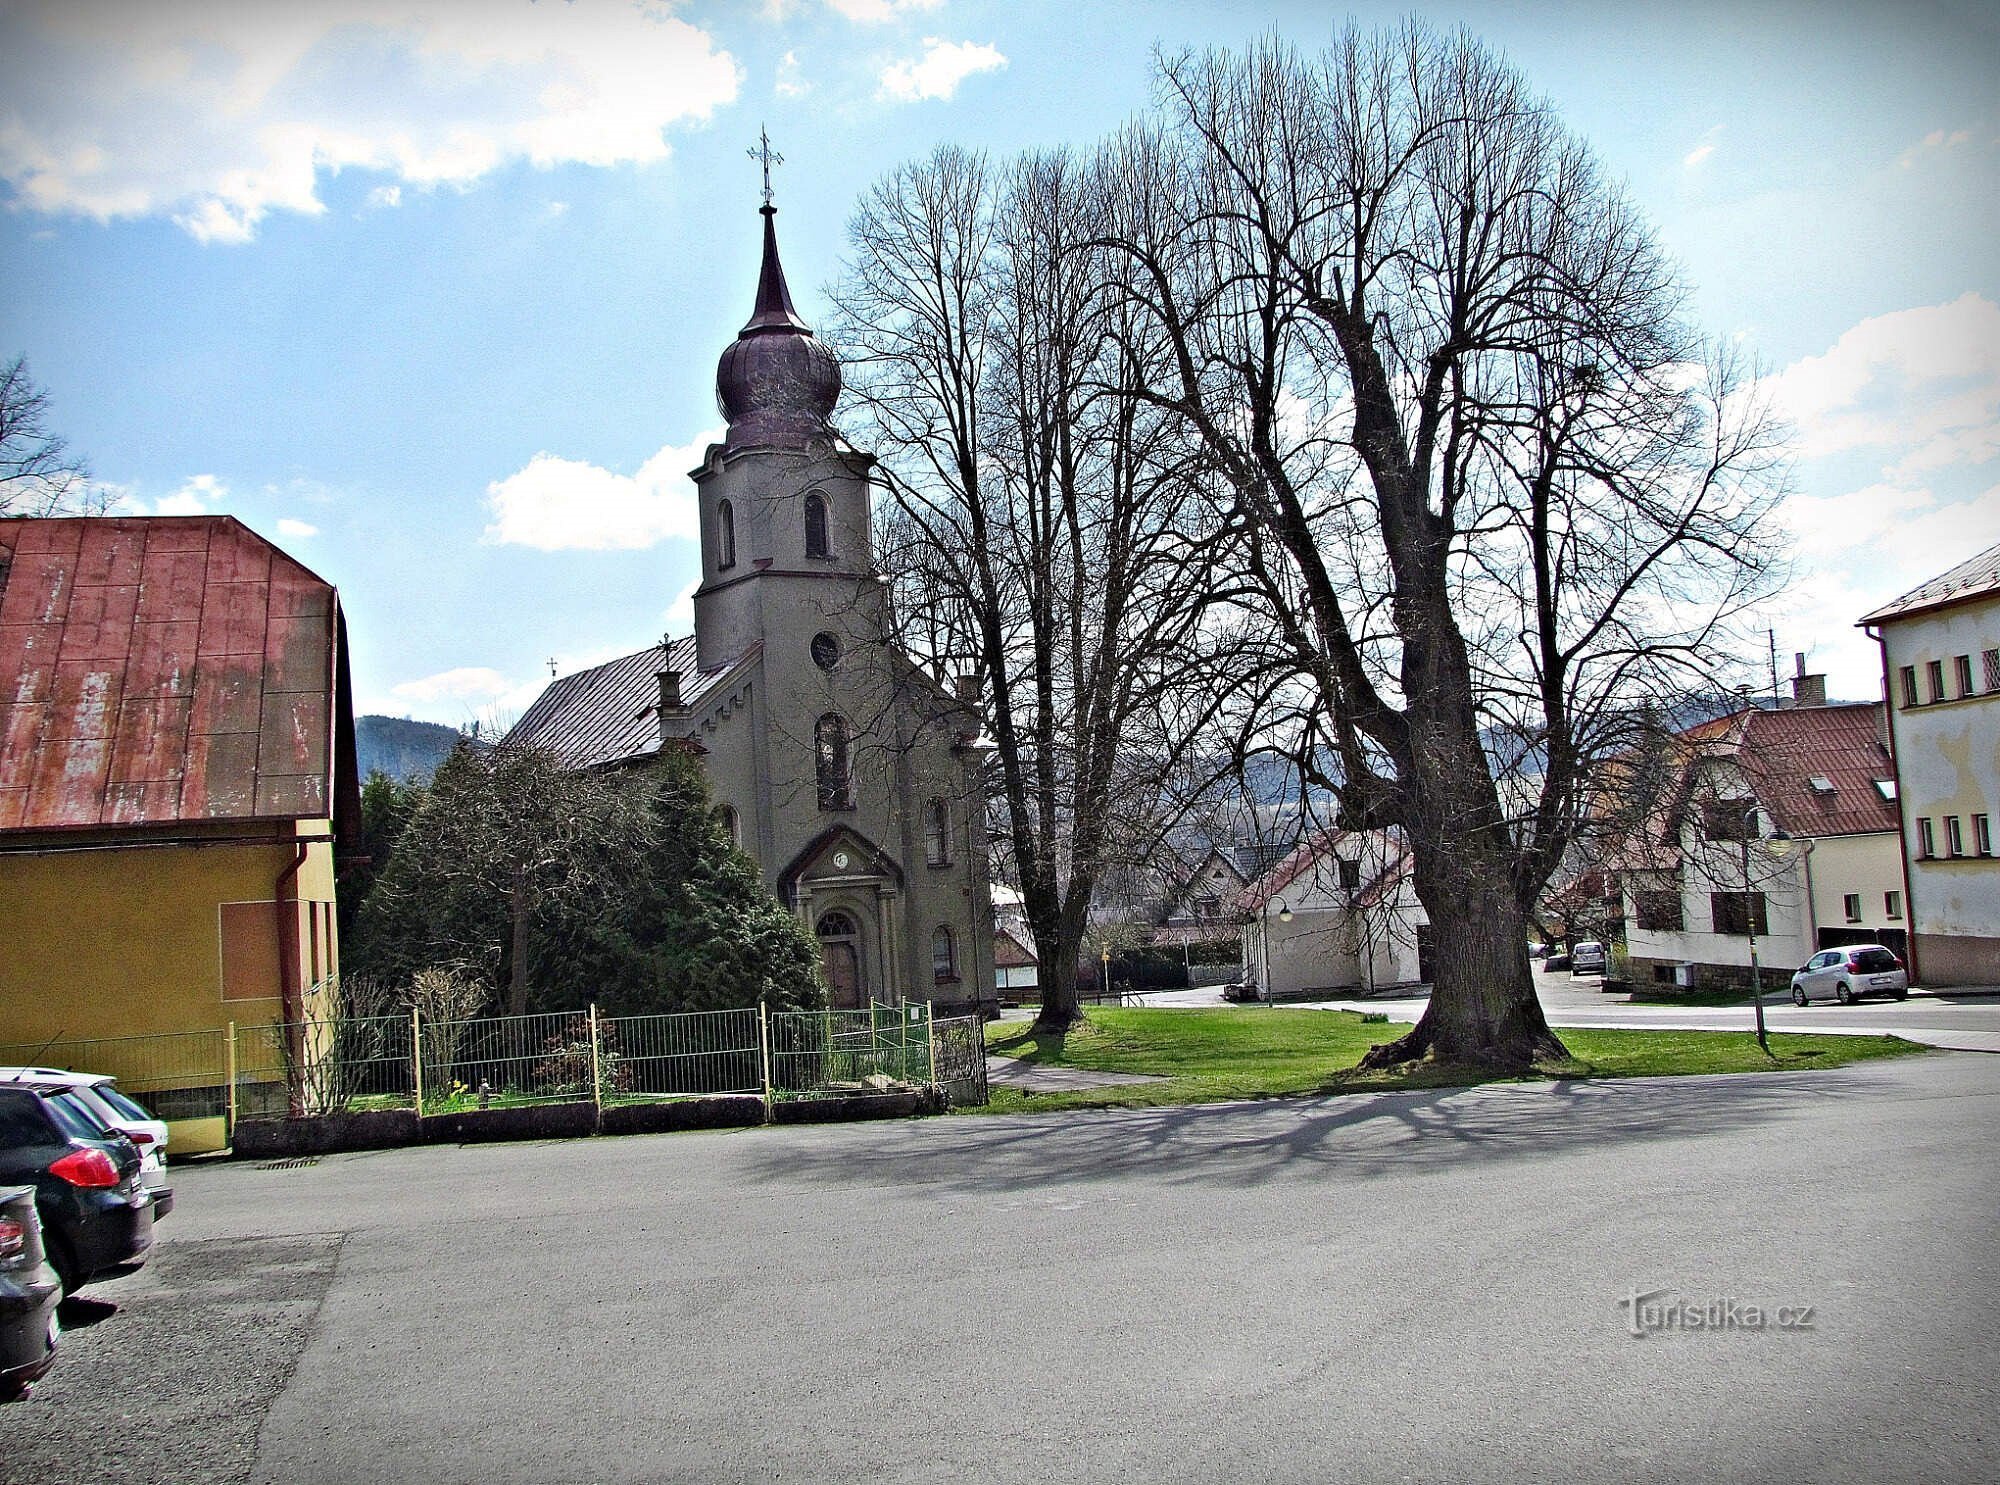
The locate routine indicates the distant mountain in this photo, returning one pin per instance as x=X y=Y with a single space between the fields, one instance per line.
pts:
x=401 y=748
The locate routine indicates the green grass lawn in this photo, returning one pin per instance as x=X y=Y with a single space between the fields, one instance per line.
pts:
x=1258 y=1052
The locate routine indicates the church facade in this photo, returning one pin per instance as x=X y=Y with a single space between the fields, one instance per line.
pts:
x=847 y=773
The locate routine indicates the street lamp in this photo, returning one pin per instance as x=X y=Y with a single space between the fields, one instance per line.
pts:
x=1264 y=941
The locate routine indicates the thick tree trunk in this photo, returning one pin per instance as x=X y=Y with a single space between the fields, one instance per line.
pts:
x=1057 y=973
x=1482 y=1008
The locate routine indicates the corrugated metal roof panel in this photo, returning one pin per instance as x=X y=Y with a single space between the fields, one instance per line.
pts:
x=1972 y=578
x=158 y=669
x=610 y=712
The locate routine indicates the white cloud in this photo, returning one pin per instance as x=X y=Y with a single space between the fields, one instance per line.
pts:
x=556 y=504
x=1703 y=150
x=791 y=82
x=218 y=112
x=474 y=683
x=939 y=71
x=873 y=12
x=553 y=210
x=383 y=197
x=1924 y=382
x=198 y=496
x=680 y=613
x=297 y=530
x=1935 y=142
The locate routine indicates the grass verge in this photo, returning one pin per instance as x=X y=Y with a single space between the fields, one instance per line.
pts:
x=1204 y=1056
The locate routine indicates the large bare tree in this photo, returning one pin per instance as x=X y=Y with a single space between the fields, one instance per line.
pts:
x=1045 y=515
x=1495 y=489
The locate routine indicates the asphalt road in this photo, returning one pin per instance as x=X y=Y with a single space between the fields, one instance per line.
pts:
x=1391 y=1287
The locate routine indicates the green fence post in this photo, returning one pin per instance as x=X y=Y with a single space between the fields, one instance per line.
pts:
x=930 y=1036
x=229 y=1070
x=417 y=1056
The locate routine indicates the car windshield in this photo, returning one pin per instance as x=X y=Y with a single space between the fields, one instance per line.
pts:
x=74 y=1117
x=129 y=1108
x=1874 y=961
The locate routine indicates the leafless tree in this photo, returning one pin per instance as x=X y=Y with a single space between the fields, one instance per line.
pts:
x=39 y=475
x=1495 y=491
x=1046 y=516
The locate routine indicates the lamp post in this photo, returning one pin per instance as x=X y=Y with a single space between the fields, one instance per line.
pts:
x=1264 y=940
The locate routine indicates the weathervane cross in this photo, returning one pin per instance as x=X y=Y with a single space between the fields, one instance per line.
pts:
x=768 y=156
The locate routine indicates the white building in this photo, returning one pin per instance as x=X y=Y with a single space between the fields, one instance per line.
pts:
x=1340 y=914
x=1781 y=822
x=1941 y=669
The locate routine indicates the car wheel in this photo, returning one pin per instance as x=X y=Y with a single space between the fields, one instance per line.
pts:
x=1902 y=995
x=1798 y=996
x=1844 y=993
x=65 y=1265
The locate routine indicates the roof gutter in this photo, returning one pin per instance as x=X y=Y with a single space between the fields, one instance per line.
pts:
x=165 y=842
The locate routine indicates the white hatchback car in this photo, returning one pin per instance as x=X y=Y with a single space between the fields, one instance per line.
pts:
x=1846 y=974
x=117 y=1111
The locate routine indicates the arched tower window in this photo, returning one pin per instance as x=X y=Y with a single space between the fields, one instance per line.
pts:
x=725 y=534
x=937 y=833
x=818 y=544
x=731 y=823
x=944 y=956
x=836 y=791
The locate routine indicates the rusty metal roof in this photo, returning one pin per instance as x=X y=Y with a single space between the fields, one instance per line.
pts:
x=1975 y=577
x=1815 y=768
x=162 y=669
x=611 y=712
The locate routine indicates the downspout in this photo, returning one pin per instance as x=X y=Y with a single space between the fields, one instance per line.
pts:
x=291 y=995
x=1912 y=968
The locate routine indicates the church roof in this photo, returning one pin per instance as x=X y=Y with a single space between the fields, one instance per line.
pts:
x=156 y=670
x=611 y=712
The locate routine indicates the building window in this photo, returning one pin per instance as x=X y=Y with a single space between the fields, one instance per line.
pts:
x=836 y=787
x=825 y=650
x=1350 y=875
x=817 y=543
x=944 y=957
x=1659 y=912
x=937 y=833
x=1851 y=905
x=1739 y=913
x=1892 y=906
x=1909 y=675
x=725 y=535
x=1934 y=673
x=1926 y=842
x=1730 y=819
x=726 y=817
x=1954 y=841
x=1982 y=835
x=1991 y=660
x=1963 y=665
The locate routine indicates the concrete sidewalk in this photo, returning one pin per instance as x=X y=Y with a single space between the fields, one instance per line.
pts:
x=1033 y=1077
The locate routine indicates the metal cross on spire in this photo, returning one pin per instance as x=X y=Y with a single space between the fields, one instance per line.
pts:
x=768 y=156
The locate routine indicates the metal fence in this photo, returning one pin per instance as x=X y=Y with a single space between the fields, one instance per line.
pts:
x=432 y=1065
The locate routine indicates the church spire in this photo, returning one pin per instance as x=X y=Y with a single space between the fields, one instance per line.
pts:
x=773 y=310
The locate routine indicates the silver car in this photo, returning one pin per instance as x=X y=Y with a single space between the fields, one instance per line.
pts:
x=1587 y=958
x=1846 y=974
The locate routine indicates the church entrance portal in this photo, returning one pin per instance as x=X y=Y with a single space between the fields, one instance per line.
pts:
x=840 y=957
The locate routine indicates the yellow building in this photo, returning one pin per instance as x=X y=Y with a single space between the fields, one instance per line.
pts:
x=176 y=767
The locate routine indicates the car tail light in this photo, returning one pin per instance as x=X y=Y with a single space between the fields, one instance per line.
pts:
x=13 y=1238
x=137 y=1136
x=90 y=1169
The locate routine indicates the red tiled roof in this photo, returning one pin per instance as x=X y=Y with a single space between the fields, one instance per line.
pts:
x=1973 y=578
x=1009 y=952
x=1783 y=752
x=162 y=669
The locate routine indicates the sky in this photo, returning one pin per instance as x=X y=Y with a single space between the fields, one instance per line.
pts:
x=430 y=292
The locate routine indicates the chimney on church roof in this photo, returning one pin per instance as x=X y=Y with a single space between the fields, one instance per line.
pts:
x=670 y=690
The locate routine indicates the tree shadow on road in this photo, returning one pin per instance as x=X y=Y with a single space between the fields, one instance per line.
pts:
x=1354 y=1136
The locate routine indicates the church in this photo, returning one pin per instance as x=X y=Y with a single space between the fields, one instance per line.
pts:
x=849 y=775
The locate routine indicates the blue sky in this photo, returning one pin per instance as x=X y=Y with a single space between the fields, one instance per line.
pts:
x=432 y=293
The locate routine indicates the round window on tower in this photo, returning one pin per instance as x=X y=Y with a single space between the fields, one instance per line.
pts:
x=825 y=650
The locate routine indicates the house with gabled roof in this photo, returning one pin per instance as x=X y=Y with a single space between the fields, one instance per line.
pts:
x=176 y=773
x=1776 y=828
x=1338 y=915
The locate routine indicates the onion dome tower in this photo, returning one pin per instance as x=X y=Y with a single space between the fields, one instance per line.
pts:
x=777 y=382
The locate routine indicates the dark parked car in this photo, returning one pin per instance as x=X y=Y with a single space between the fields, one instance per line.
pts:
x=97 y=1215
x=29 y=1293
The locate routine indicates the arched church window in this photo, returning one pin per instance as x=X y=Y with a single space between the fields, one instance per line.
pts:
x=944 y=956
x=725 y=534
x=836 y=790
x=836 y=925
x=732 y=826
x=937 y=833
x=818 y=544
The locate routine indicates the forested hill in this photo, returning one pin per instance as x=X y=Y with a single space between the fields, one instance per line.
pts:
x=401 y=748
